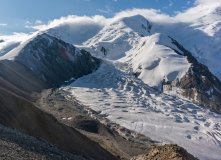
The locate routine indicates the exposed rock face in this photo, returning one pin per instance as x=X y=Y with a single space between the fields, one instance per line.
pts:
x=24 y=116
x=166 y=152
x=199 y=84
x=46 y=61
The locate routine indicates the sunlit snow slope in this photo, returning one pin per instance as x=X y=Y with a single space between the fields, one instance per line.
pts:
x=135 y=41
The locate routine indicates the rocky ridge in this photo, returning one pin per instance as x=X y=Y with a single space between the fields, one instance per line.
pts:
x=45 y=61
x=198 y=84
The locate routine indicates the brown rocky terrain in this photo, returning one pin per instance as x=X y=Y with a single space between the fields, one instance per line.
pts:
x=166 y=152
x=15 y=145
x=22 y=115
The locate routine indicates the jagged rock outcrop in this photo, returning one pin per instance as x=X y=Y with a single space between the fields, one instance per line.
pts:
x=166 y=152
x=198 y=84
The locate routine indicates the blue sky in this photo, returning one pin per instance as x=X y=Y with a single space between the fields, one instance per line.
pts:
x=16 y=14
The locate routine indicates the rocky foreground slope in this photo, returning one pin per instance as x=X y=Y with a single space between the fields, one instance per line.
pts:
x=22 y=115
x=15 y=145
x=170 y=152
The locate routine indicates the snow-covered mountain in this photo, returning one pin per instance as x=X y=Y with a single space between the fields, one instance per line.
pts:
x=154 y=57
x=134 y=40
x=138 y=54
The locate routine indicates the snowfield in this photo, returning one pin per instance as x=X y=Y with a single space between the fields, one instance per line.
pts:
x=119 y=96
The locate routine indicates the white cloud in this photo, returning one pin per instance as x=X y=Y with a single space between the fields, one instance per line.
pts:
x=104 y=11
x=40 y=27
x=73 y=21
x=108 y=10
x=3 y=24
x=16 y=36
x=38 y=22
x=27 y=22
x=202 y=9
x=151 y=14
x=27 y=26
x=171 y=3
x=11 y=41
x=206 y=2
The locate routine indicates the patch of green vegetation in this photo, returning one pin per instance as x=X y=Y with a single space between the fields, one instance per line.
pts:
x=95 y=139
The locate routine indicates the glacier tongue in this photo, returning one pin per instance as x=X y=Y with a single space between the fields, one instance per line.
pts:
x=121 y=97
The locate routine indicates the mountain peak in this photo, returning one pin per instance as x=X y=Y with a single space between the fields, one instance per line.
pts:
x=139 y=24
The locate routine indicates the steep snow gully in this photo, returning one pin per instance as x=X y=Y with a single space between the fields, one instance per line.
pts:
x=121 y=97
